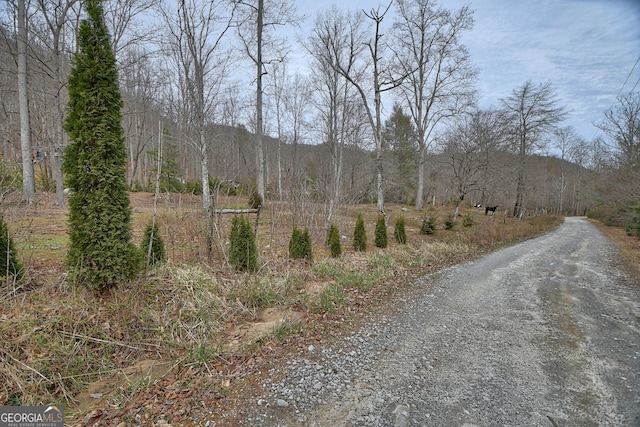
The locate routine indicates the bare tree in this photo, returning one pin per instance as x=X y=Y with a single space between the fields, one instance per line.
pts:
x=297 y=100
x=572 y=150
x=278 y=82
x=256 y=35
x=196 y=31
x=621 y=125
x=139 y=82
x=124 y=20
x=57 y=15
x=365 y=56
x=440 y=78
x=469 y=150
x=335 y=45
x=532 y=111
x=28 y=177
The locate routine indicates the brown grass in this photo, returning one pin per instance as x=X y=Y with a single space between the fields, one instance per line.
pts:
x=57 y=340
x=628 y=245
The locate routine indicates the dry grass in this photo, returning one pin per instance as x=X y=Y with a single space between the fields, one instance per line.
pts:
x=628 y=245
x=57 y=340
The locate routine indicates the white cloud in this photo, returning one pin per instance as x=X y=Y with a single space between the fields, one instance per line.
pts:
x=586 y=48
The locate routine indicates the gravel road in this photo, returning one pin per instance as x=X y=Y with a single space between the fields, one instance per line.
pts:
x=544 y=333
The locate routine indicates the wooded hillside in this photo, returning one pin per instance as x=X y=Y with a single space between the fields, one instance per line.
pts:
x=323 y=137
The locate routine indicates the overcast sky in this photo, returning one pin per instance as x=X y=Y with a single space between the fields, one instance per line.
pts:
x=586 y=48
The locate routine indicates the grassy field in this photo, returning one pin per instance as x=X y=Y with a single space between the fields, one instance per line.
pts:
x=187 y=329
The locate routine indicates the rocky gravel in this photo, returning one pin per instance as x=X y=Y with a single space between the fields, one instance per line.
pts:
x=544 y=333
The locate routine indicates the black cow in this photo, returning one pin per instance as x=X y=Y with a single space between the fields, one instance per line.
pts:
x=490 y=209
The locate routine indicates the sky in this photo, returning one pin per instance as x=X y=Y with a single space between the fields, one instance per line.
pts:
x=588 y=49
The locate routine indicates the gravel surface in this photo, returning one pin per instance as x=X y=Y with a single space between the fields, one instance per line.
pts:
x=544 y=333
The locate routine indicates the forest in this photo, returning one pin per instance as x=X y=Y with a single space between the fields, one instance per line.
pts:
x=380 y=111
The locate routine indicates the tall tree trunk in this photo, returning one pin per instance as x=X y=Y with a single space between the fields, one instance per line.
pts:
x=206 y=195
x=260 y=163
x=59 y=133
x=517 y=209
x=420 y=183
x=378 y=130
x=28 y=176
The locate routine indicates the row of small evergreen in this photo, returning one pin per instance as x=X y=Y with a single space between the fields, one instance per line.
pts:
x=243 y=253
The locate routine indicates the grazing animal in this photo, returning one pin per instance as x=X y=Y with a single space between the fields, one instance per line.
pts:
x=490 y=209
x=477 y=206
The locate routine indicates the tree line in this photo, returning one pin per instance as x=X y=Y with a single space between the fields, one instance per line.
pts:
x=216 y=85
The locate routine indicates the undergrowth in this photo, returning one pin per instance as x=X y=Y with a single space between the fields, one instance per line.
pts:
x=57 y=339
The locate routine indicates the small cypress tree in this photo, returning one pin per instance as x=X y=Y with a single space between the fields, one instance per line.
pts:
x=359 y=235
x=300 y=245
x=428 y=225
x=101 y=255
x=9 y=263
x=294 y=243
x=399 y=231
x=306 y=245
x=243 y=254
x=333 y=240
x=381 y=232
x=152 y=235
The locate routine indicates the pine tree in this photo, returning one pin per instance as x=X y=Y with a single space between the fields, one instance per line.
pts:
x=9 y=263
x=449 y=223
x=101 y=255
x=152 y=235
x=381 y=232
x=243 y=254
x=359 y=235
x=428 y=225
x=333 y=240
x=399 y=232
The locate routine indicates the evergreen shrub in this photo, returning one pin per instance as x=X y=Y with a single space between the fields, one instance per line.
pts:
x=634 y=227
x=9 y=263
x=333 y=240
x=449 y=223
x=428 y=225
x=101 y=255
x=359 y=235
x=243 y=254
x=468 y=221
x=381 y=232
x=300 y=245
x=399 y=232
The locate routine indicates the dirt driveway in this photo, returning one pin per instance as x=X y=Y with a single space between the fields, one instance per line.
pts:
x=544 y=333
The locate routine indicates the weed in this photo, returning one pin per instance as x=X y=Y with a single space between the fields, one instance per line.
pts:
x=203 y=354
x=327 y=268
x=285 y=329
x=331 y=297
